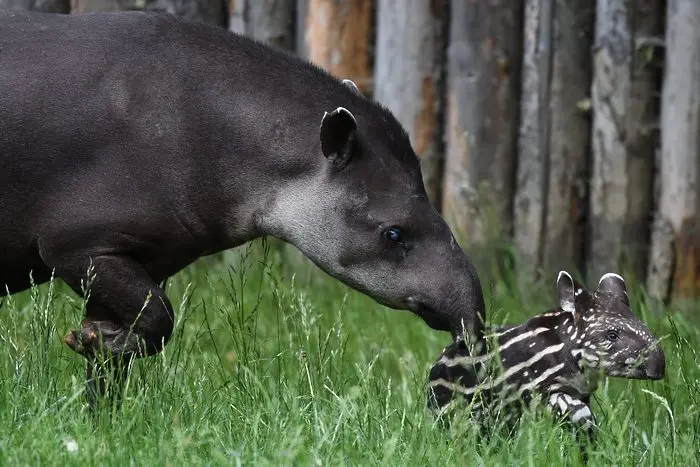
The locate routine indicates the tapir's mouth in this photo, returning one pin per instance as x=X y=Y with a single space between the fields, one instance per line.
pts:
x=641 y=371
x=432 y=318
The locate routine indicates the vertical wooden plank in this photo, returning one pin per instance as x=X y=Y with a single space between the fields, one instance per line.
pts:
x=531 y=175
x=271 y=21
x=673 y=266
x=483 y=89
x=338 y=37
x=212 y=12
x=569 y=145
x=87 y=6
x=237 y=16
x=408 y=77
x=553 y=144
x=47 y=6
x=624 y=112
x=300 y=36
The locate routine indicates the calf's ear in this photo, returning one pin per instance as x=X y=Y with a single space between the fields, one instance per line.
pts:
x=565 y=291
x=338 y=136
x=614 y=285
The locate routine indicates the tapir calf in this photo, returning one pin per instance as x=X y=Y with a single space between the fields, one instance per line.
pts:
x=135 y=143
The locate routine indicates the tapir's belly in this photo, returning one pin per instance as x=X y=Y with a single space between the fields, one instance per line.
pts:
x=19 y=275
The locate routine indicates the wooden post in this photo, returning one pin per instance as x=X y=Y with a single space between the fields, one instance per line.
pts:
x=270 y=21
x=674 y=267
x=338 y=37
x=206 y=11
x=483 y=89
x=47 y=6
x=87 y=6
x=408 y=77
x=625 y=116
x=553 y=144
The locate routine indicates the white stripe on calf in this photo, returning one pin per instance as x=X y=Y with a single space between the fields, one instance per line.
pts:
x=467 y=361
x=529 y=362
x=583 y=412
x=523 y=336
x=505 y=375
x=533 y=384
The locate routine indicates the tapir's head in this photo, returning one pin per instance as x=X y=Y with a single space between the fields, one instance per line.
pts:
x=606 y=333
x=364 y=218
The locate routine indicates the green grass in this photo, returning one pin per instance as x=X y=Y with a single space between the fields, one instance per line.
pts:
x=272 y=370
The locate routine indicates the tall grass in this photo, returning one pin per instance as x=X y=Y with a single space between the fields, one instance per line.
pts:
x=266 y=370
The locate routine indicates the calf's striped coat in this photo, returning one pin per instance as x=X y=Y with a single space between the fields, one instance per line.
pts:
x=556 y=355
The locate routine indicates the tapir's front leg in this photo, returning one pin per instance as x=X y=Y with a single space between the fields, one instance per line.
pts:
x=578 y=413
x=127 y=315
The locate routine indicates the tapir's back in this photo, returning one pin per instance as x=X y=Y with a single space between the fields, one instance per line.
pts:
x=73 y=84
x=96 y=129
x=106 y=118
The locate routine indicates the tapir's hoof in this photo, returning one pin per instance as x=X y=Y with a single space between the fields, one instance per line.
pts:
x=73 y=342
x=83 y=341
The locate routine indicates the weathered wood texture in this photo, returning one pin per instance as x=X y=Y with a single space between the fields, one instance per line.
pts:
x=48 y=6
x=625 y=115
x=338 y=36
x=408 y=77
x=531 y=175
x=553 y=145
x=87 y=6
x=206 y=11
x=675 y=238
x=237 y=16
x=483 y=87
x=270 y=21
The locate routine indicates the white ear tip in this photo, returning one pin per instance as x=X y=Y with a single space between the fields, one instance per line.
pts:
x=611 y=275
x=349 y=83
x=346 y=111
x=563 y=274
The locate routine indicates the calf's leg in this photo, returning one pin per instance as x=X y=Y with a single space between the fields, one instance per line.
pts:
x=579 y=415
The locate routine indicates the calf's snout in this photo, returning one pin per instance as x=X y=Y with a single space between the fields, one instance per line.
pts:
x=656 y=364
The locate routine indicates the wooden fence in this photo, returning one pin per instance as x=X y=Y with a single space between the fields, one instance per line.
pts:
x=569 y=128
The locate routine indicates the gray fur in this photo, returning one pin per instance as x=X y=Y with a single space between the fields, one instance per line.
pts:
x=135 y=143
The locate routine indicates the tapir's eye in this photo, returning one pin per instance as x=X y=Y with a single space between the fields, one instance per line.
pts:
x=612 y=335
x=393 y=234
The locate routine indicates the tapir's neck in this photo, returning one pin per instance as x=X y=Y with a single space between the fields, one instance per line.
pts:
x=270 y=169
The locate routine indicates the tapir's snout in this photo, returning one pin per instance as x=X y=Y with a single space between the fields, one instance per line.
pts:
x=450 y=298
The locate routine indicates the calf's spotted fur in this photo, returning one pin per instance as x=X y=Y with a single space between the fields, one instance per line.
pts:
x=556 y=355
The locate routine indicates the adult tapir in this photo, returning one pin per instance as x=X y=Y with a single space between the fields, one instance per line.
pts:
x=136 y=143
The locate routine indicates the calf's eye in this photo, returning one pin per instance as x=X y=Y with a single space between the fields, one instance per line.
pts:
x=612 y=335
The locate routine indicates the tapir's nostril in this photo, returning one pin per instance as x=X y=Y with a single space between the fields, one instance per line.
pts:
x=656 y=364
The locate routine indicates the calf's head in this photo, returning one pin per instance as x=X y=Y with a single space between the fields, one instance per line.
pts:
x=363 y=217
x=606 y=332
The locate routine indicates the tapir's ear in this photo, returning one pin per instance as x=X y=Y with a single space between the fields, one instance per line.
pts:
x=352 y=86
x=565 y=291
x=338 y=130
x=615 y=286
